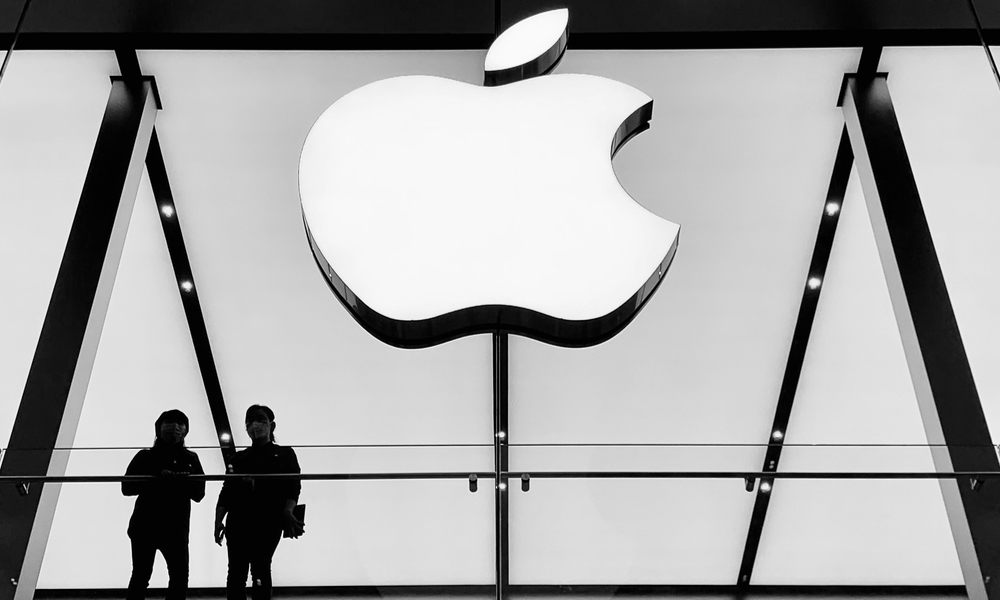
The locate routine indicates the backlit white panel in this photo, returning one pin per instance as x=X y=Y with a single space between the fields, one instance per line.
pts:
x=734 y=157
x=609 y=532
x=856 y=389
x=231 y=130
x=51 y=105
x=948 y=106
x=145 y=365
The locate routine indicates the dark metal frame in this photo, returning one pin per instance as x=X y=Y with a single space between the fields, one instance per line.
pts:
x=932 y=343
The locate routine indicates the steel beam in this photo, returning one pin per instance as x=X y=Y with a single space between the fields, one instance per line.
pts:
x=500 y=463
x=187 y=288
x=52 y=402
x=811 y=290
x=444 y=24
x=932 y=343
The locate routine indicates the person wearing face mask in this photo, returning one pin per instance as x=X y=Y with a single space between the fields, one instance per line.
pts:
x=161 y=519
x=253 y=512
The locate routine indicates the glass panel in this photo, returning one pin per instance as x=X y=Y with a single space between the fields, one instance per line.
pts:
x=50 y=110
x=948 y=107
x=363 y=533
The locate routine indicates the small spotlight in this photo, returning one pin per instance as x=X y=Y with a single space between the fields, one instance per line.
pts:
x=187 y=286
x=501 y=435
x=776 y=435
x=167 y=210
x=765 y=487
x=832 y=208
x=814 y=283
x=502 y=486
x=224 y=437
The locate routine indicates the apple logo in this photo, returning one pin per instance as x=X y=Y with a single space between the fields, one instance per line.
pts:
x=437 y=209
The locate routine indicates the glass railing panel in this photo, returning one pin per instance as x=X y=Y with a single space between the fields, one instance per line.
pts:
x=857 y=532
x=394 y=527
x=627 y=531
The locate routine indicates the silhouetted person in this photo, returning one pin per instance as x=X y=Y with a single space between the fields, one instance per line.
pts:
x=162 y=516
x=258 y=509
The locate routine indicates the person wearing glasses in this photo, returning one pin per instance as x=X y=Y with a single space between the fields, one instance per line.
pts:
x=252 y=513
x=161 y=519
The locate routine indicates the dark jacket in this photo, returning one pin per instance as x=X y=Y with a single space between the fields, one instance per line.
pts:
x=250 y=501
x=163 y=507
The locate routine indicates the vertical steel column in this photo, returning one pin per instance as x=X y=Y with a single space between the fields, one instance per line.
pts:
x=942 y=379
x=52 y=402
x=501 y=529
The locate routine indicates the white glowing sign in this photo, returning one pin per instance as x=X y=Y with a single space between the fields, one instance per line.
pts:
x=437 y=208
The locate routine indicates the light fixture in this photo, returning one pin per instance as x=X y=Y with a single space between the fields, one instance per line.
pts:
x=187 y=286
x=832 y=208
x=776 y=435
x=502 y=486
x=814 y=283
x=167 y=210
x=765 y=487
x=224 y=437
x=501 y=435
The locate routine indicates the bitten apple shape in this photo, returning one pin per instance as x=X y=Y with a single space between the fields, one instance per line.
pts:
x=438 y=209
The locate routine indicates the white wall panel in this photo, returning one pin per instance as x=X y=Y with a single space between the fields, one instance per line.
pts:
x=51 y=105
x=948 y=106
x=856 y=389
x=739 y=154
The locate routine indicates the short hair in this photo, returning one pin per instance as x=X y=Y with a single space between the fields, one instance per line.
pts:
x=173 y=416
x=260 y=407
x=270 y=417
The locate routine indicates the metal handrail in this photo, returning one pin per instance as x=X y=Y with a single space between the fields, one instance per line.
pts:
x=742 y=475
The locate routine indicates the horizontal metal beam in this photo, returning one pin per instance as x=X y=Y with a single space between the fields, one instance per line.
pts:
x=975 y=478
x=404 y=24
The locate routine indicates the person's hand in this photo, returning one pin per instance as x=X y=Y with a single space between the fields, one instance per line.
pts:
x=293 y=526
x=220 y=532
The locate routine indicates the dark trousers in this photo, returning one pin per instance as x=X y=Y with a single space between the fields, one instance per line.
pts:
x=175 y=553
x=250 y=551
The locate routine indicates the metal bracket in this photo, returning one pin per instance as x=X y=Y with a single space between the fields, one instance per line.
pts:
x=473 y=482
x=525 y=482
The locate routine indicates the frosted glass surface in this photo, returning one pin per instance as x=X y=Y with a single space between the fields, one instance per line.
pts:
x=614 y=531
x=948 y=107
x=232 y=128
x=855 y=389
x=51 y=105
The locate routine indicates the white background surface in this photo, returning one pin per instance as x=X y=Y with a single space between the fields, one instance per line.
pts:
x=739 y=153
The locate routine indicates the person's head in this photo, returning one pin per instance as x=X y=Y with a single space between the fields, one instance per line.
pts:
x=171 y=427
x=260 y=423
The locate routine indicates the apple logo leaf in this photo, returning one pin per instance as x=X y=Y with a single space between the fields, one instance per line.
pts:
x=529 y=48
x=437 y=209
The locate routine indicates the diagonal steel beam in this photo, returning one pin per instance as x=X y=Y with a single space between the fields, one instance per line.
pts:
x=800 y=338
x=932 y=343
x=128 y=61
x=52 y=402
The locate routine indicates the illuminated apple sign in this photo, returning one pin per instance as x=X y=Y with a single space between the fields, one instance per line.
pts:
x=437 y=209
